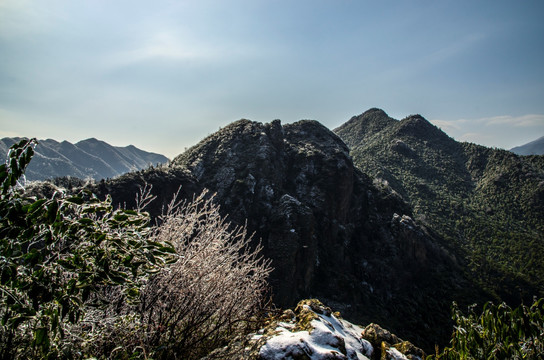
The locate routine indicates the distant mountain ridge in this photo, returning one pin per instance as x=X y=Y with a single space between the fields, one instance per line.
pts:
x=535 y=147
x=90 y=158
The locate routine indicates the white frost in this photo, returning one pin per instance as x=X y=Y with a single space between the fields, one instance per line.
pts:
x=329 y=336
x=395 y=354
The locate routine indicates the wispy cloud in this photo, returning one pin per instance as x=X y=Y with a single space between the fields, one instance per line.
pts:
x=453 y=49
x=166 y=45
x=27 y=18
x=177 y=46
x=504 y=131
x=422 y=61
x=523 y=121
x=449 y=125
x=518 y=121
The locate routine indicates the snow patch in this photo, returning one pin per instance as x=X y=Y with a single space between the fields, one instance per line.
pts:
x=395 y=354
x=329 y=337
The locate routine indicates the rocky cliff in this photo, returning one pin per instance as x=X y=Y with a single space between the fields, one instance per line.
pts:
x=330 y=230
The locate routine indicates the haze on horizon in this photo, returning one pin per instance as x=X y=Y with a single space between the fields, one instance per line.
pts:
x=162 y=75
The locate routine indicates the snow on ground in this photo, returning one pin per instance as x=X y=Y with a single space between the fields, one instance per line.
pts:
x=329 y=337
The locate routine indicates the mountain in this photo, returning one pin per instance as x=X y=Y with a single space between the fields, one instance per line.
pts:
x=486 y=204
x=535 y=147
x=331 y=231
x=389 y=225
x=89 y=158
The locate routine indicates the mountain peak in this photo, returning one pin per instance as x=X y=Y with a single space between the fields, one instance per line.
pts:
x=364 y=125
x=374 y=111
x=415 y=120
x=418 y=127
x=535 y=147
x=371 y=115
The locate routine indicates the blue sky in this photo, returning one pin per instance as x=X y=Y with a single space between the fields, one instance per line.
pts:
x=163 y=74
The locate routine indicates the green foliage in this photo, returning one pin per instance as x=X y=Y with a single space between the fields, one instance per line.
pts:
x=499 y=332
x=487 y=204
x=59 y=255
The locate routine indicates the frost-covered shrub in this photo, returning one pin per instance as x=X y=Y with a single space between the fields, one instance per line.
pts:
x=59 y=257
x=205 y=299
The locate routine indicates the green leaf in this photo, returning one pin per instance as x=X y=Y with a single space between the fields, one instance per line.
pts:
x=85 y=221
x=52 y=210
x=133 y=293
x=120 y=217
x=75 y=200
x=41 y=336
x=34 y=206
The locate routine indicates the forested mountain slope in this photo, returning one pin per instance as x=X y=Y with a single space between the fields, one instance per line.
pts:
x=487 y=204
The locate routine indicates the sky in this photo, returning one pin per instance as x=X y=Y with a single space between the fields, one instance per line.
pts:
x=163 y=74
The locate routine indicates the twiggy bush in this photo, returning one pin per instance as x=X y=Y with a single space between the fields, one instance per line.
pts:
x=206 y=298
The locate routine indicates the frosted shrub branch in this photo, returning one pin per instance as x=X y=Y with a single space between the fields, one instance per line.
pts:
x=204 y=300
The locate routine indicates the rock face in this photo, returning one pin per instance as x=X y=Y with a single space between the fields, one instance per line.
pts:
x=329 y=230
x=298 y=189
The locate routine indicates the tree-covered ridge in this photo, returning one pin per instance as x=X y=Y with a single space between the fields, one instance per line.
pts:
x=487 y=203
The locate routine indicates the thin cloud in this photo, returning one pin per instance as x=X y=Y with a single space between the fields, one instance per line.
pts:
x=418 y=65
x=522 y=121
x=449 y=125
x=478 y=138
x=169 y=46
x=518 y=121
x=174 y=45
x=451 y=50
x=504 y=131
x=26 y=18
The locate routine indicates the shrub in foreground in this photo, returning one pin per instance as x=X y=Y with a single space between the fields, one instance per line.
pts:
x=207 y=299
x=81 y=279
x=499 y=332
